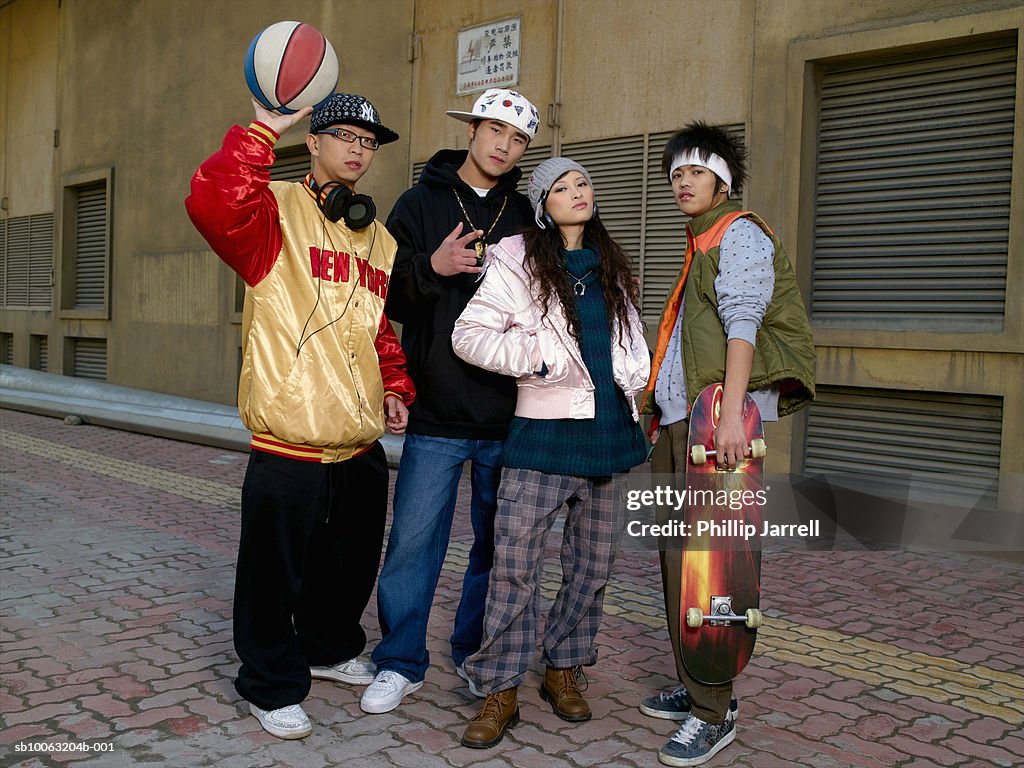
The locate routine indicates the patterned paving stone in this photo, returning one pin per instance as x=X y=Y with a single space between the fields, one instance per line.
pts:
x=115 y=622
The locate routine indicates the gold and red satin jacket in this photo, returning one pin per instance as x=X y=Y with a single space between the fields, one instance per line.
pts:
x=318 y=355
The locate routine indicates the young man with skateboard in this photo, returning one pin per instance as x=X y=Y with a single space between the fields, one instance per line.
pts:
x=735 y=315
x=465 y=199
x=322 y=375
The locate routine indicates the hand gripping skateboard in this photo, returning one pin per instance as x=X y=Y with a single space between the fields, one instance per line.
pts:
x=721 y=564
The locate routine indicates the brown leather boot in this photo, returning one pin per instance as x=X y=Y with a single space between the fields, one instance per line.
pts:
x=499 y=713
x=562 y=691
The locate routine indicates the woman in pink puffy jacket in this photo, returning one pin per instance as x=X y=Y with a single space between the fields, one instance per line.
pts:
x=556 y=309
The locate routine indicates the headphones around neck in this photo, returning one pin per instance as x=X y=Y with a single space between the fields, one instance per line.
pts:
x=339 y=202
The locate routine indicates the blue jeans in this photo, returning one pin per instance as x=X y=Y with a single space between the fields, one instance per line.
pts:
x=425 y=492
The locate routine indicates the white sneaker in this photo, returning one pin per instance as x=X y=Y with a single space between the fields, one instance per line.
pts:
x=352 y=671
x=386 y=692
x=285 y=723
x=460 y=670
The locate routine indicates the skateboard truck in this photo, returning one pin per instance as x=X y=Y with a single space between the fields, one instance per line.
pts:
x=721 y=614
x=699 y=454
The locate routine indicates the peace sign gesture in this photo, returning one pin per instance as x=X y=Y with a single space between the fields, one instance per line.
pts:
x=454 y=254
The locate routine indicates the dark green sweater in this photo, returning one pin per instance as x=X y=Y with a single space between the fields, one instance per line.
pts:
x=611 y=441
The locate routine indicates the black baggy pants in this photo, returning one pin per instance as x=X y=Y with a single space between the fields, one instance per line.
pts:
x=308 y=556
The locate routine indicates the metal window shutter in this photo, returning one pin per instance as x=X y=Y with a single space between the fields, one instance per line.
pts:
x=18 y=240
x=532 y=157
x=949 y=443
x=42 y=353
x=7 y=348
x=912 y=199
x=291 y=166
x=91 y=247
x=26 y=243
x=3 y=262
x=664 y=233
x=90 y=359
x=15 y=262
x=40 y=258
x=664 y=228
x=416 y=171
x=616 y=166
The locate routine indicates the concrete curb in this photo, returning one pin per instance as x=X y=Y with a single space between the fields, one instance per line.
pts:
x=135 y=410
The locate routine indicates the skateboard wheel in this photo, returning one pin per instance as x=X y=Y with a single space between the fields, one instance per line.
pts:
x=754 y=618
x=698 y=454
x=694 y=617
x=758 y=448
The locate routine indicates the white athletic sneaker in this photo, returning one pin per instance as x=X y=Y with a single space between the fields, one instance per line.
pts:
x=386 y=692
x=460 y=670
x=352 y=671
x=285 y=723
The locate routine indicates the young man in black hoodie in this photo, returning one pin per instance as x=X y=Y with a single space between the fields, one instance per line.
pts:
x=465 y=200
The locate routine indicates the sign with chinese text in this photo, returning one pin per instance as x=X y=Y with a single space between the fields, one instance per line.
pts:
x=488 y=56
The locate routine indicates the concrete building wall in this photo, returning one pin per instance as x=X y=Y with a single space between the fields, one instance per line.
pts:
x=28 y=118
x=625 y=67
x=141 y=92
x=28 y=105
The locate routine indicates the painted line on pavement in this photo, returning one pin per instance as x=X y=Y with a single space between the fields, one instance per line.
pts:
x=196 y=489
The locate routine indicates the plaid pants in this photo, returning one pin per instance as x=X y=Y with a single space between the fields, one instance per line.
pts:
x=528 y=503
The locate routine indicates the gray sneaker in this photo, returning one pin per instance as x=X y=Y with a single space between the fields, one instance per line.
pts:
x=675 y=705
x=696 y=742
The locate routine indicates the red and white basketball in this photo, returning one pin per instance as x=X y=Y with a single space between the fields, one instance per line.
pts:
x=290 y=65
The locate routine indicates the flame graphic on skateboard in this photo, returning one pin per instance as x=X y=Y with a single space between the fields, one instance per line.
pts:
x=720 y=576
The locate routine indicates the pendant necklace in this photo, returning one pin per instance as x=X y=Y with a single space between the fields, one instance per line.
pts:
x=480 y=245
x=579 y=289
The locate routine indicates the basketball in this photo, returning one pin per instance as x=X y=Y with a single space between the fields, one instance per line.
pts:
x=290 y=65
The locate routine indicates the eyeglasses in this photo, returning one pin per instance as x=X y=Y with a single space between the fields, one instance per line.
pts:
x=366 y=142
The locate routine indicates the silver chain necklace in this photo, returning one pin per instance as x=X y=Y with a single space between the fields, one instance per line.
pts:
x=579 y=289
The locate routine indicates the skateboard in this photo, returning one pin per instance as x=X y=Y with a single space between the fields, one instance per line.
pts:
x=721 y=562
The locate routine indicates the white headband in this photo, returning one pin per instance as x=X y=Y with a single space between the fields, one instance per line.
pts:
x=714 y=163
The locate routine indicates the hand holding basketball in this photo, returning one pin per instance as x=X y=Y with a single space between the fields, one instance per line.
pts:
x=277 y=122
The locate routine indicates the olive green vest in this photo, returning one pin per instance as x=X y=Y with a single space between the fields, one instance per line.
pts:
x=784 y=354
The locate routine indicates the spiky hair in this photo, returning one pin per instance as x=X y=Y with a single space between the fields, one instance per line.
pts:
x=707 y=140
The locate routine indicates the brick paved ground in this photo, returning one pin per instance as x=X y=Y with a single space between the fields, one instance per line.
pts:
x=118 y=554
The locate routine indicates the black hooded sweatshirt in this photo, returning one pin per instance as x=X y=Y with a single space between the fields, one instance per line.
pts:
x=453 y=398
